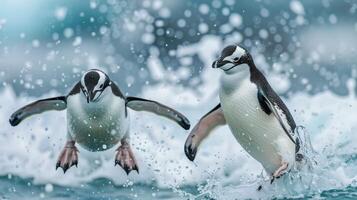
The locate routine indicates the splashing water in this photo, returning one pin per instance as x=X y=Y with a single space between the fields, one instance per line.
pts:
x=222 y=169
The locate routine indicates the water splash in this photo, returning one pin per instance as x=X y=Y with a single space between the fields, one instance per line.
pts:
x=222 y=169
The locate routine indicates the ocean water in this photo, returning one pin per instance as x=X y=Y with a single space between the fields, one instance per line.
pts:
x=222 y=169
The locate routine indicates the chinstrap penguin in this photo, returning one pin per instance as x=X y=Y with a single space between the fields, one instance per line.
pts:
x=255 y=114
x=97 y=118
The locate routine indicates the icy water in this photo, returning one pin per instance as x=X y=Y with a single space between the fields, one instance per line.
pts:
x=103 y=189
x=221 y=170
x=16 y=188
x=163 y=50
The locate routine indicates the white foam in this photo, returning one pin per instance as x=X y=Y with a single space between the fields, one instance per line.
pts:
x=221 y=169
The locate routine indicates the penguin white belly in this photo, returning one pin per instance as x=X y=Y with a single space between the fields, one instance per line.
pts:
x=97 y=126
x=259 y=134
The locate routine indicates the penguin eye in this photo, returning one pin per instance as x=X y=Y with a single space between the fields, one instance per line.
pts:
x=101 y=86
x=236 y=59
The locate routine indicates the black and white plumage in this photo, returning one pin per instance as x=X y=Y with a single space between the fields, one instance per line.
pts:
x=97 y=118
x=257 y=117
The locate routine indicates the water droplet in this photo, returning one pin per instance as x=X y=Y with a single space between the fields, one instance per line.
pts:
x=113 y=132
x=49 y=187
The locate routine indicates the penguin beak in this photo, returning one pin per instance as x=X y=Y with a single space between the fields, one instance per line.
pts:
x=218 y=63
x=214 y=64
x=90 y=97
x=94 y=96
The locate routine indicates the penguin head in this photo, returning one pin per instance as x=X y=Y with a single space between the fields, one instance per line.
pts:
x=93 y=83
x=231 y=57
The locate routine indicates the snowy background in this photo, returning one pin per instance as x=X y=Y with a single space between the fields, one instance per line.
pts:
x=163 y=50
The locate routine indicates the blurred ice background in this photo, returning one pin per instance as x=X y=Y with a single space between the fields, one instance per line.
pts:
x=163 y=50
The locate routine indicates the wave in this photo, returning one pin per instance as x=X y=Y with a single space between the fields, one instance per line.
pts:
x=222 y=169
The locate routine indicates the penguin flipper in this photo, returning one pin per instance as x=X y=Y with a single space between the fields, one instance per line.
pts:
x=140 y=104
x=269 y=107
x=37 y=107
x=202 y=129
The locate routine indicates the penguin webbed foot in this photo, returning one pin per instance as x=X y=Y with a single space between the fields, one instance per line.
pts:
x=279 y=172
x=125 y=159
x=68 y=157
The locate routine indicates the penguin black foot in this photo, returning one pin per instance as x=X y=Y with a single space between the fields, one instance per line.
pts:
x=68 y=157
x=125 y=159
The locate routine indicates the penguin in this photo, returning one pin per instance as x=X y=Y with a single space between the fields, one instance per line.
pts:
x=255 y=114
x=97 y=118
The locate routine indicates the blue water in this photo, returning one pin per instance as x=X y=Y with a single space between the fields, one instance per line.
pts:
x=103 y=189
x=14 y=187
